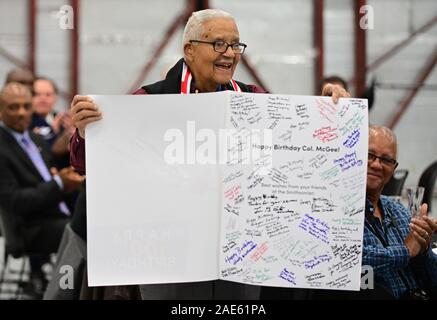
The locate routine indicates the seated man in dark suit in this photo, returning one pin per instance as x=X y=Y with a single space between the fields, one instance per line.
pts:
x=31 y=191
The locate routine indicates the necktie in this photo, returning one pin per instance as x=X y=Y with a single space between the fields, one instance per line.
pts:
x=34 y=155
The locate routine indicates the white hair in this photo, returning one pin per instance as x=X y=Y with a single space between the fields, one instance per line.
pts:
x=194 y=27
x=384 y=131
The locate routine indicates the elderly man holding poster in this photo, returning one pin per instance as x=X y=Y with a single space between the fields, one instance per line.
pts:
x=212 y=51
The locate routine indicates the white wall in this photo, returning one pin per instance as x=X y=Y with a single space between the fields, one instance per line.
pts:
x=417 y=130
x=280 y=42
x=117 y=39
x=13 y=33
x=53 y=56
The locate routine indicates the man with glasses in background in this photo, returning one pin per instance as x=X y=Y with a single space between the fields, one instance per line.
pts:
x=395 y=245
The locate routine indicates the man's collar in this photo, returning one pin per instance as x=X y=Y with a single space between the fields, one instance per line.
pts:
x=193 y=89
x=17 y=135
x=370 y=209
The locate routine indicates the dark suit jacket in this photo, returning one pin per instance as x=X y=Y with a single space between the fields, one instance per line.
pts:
x=26 y=200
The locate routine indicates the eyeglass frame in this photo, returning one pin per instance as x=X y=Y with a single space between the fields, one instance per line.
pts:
x=16 y=106
x=213 y=43
x=385 y=161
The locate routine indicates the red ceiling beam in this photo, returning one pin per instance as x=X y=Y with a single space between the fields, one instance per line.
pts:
x=200 y=4
x=13 y=59
x=177 y=22
x=405 y=103
x=253 y=72
x=360 y=51
x=318 y=39
x=32 y=34
x=74 y=64
x=391 y=52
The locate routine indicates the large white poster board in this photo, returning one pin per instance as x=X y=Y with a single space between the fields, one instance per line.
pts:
x=253 y=188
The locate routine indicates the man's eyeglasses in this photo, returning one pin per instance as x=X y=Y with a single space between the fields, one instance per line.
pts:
x=16 y=106
x=222 y=46
x=389 y=162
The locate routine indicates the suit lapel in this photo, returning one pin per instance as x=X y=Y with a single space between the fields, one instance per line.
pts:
x=20 y=154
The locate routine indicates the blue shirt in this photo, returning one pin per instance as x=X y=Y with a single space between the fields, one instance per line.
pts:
x=392 y=266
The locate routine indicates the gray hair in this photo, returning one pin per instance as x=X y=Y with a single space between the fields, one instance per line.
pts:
x=194 y=27
x=387 y=132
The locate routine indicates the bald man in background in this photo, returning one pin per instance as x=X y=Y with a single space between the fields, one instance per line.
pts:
x=20 y=75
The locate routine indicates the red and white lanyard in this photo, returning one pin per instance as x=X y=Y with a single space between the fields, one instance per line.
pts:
x=187 y=78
